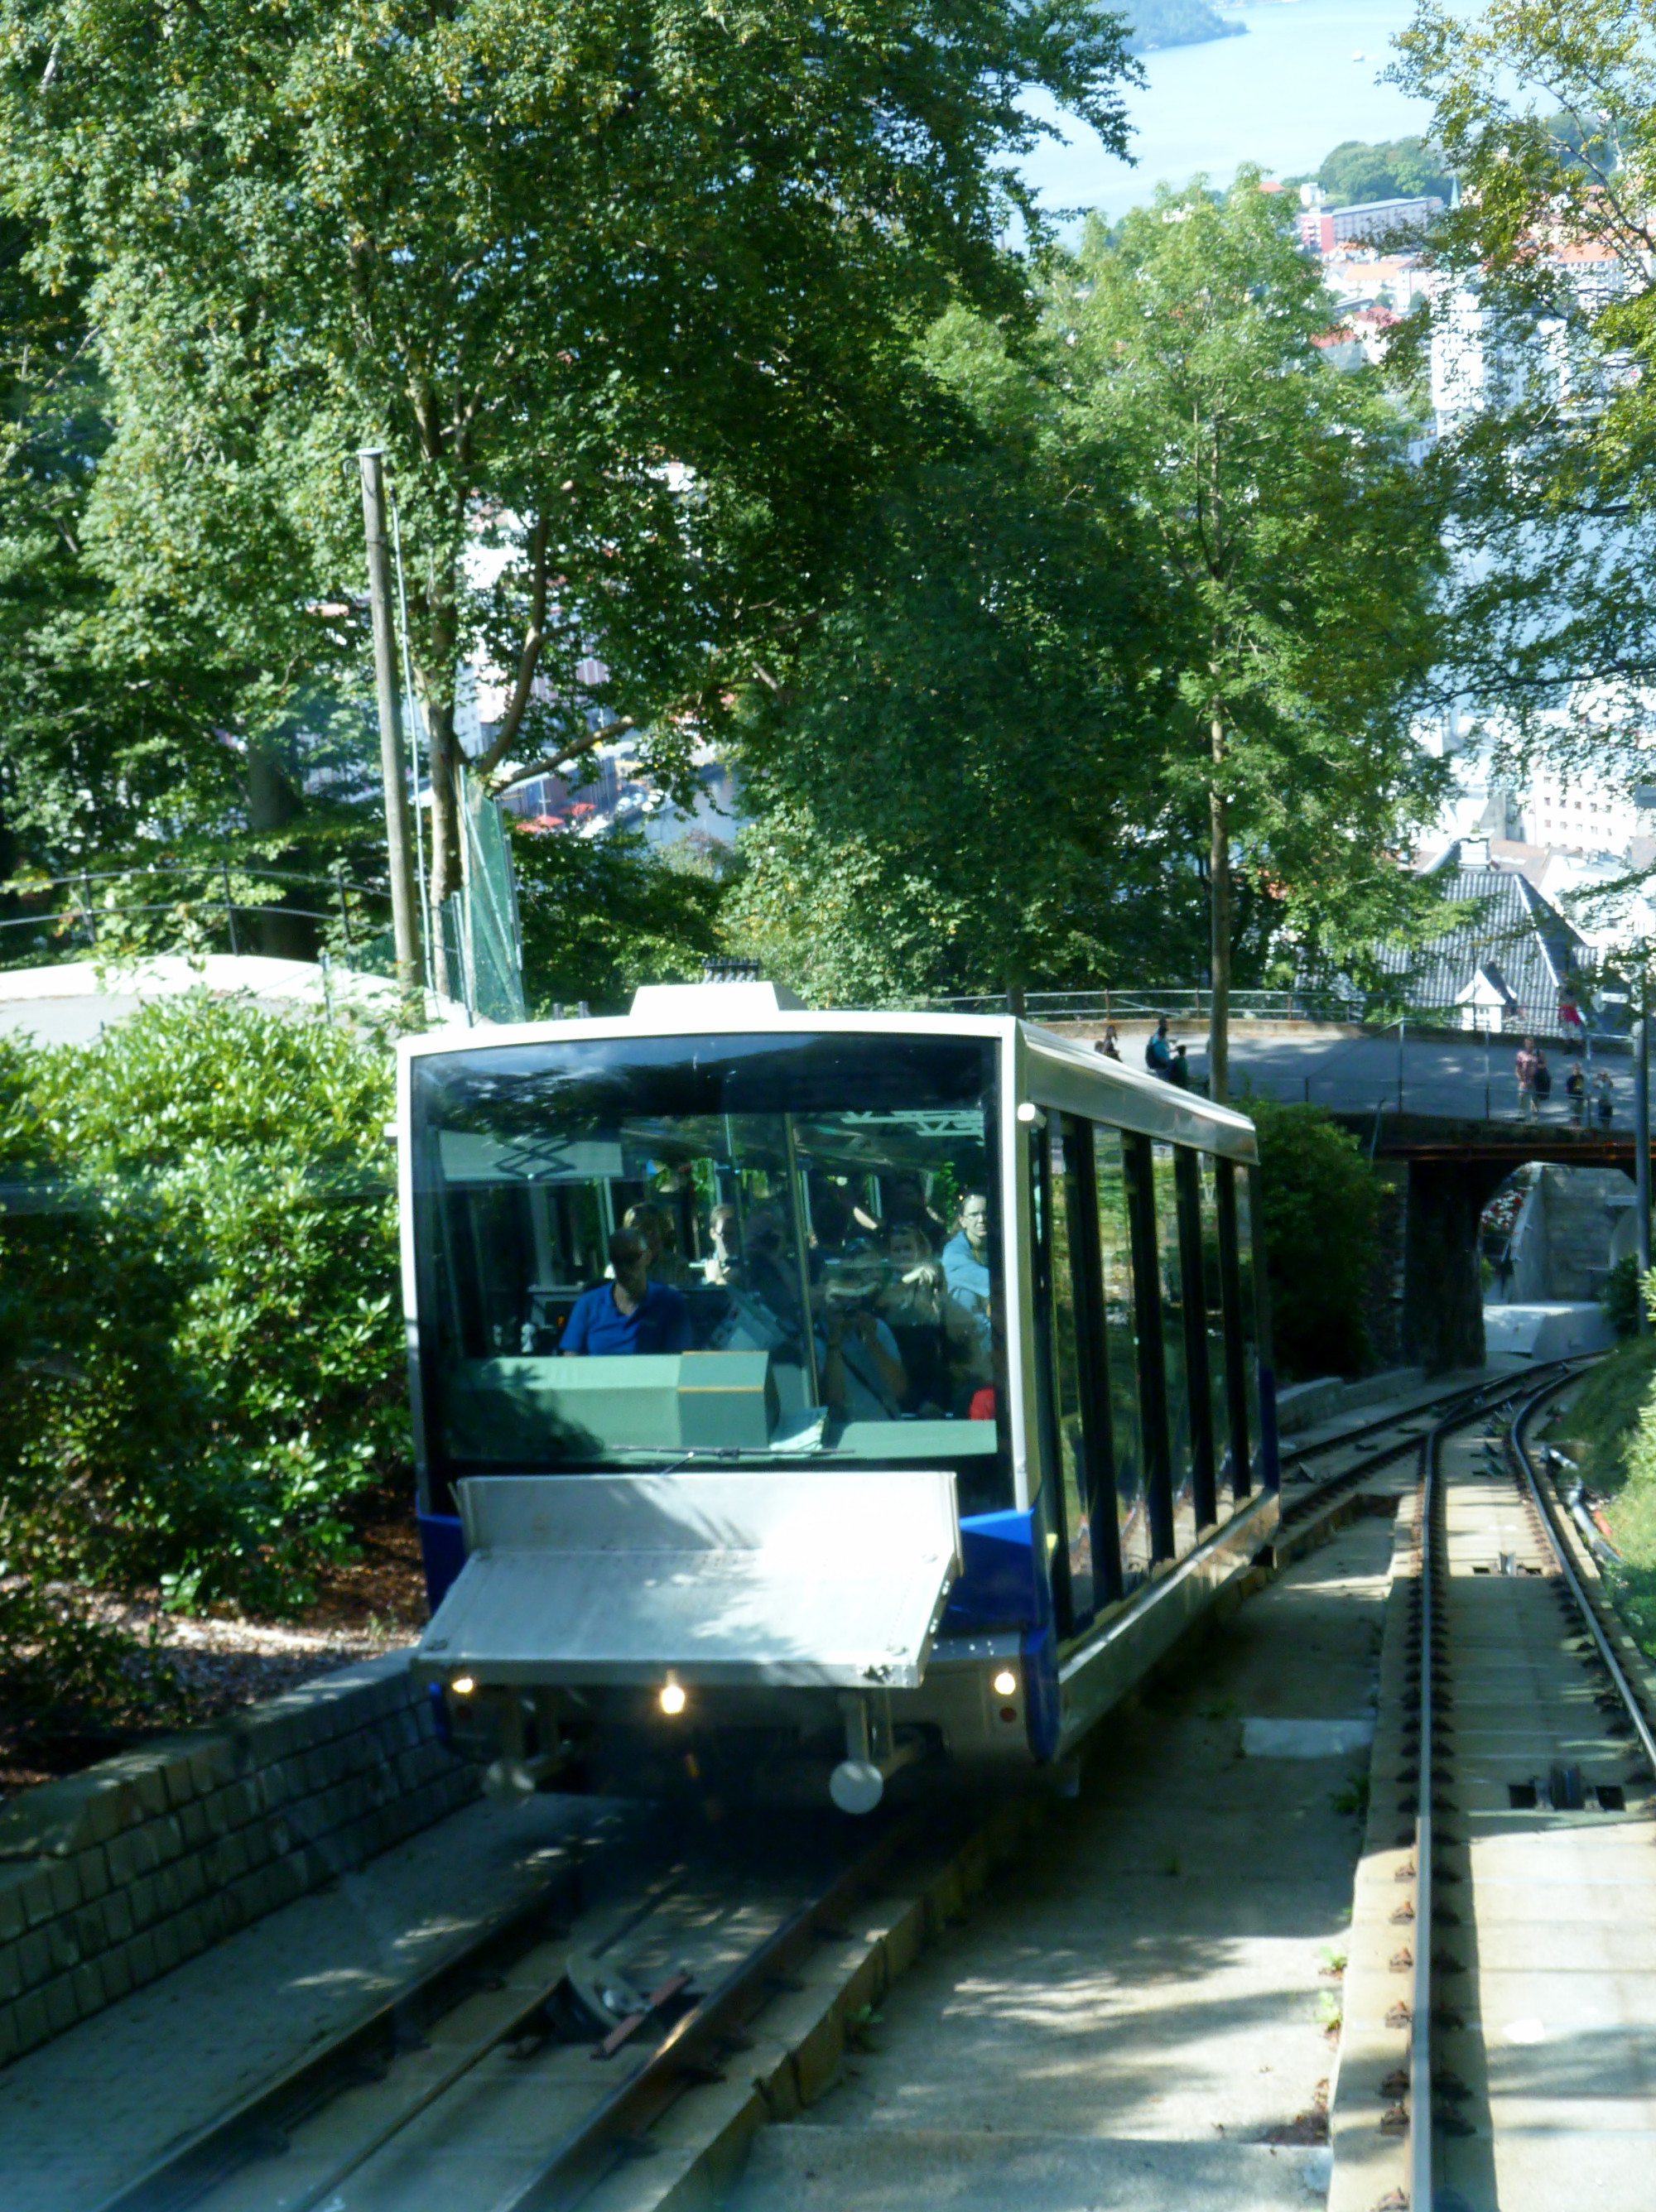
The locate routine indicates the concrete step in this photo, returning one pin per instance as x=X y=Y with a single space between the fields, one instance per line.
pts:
x=808 y=2168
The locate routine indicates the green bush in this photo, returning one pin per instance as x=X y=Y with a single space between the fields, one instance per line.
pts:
x=1620 y=1295
x=203 y=1356
x=1321 y=1214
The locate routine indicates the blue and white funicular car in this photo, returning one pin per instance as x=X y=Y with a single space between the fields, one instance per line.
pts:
x=942 y=1404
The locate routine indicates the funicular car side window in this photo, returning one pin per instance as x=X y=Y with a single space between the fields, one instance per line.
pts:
x=645 y=1250
x=1246 y=1182
x=1171 y=1293
x=1111 y=1169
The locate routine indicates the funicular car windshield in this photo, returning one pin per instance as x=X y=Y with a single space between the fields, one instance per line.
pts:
x=638 y=1252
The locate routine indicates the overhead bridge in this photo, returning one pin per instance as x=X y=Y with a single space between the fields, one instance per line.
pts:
x=1442 y=1107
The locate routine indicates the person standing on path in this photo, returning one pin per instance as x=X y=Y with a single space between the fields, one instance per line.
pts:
x=1158 y=1052
x=1524 y=1068
x=1575 y=1086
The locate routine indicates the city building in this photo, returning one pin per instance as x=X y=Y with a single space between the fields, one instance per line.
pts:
x=1323 y=229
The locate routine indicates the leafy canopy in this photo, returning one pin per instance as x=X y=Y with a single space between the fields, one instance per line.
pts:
x=1548 y=336
x=632 y=282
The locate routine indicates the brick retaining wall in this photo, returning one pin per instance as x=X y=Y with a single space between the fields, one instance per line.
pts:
x=110 y=1877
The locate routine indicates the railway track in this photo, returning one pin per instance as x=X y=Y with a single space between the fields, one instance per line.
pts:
x=1319 y=1479
x=527 y=2070
x=1516 y=1763
x=538 y=2062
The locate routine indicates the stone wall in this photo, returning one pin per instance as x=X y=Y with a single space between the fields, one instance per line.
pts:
x=110 y=1877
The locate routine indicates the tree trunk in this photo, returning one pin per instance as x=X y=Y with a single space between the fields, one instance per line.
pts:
x=1219 y=906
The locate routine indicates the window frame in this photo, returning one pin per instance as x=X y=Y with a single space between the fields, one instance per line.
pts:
x=1193 y=1298
x=1136 y=1158
x=1230 y=1278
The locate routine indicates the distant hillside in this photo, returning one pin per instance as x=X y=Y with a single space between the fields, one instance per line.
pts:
x=1176 y=23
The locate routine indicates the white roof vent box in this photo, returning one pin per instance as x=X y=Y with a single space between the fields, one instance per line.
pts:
x=730 y=990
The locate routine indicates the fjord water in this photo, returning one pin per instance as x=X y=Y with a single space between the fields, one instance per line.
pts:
x=1283 y=94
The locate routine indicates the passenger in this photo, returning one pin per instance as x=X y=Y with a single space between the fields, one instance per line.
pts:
x=863 y=1377
x=1575 y=1088
x=966 y=1270
x=770 y=1273
x=966 y=1256
x=655 y=1226
x=1524 y=1068
x=906 y=1200
x=629 y=1314
x=723 y=1264
x=1158 y=1052
x=932 y=1330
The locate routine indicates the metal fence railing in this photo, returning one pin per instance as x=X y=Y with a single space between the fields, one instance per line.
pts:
x=205 y=904
x=1193 y=1002
x=1148 y=1001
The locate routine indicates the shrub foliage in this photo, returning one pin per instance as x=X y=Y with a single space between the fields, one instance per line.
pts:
x=200 y=1352
x=1321 y=1209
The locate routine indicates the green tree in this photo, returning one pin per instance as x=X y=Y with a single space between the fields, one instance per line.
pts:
x=630 y=282
x=947 y=776
x=1545 y=322
x=1297 y=553
x=602 y=914
x=1396 y=168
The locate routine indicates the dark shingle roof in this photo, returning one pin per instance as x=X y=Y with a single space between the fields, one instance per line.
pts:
x=1518 y=939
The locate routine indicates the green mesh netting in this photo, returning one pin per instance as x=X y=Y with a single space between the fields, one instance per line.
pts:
x=490 y=943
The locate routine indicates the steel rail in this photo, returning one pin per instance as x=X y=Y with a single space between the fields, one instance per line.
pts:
x=1518 y=1456
x=1457 y=1405
x=260 y=2123
x=1421 y=2178
x=696 y=2047
x=1420 y=2020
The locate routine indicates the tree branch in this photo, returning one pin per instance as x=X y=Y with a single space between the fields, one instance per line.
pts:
x=604 y=734
x=528 y=659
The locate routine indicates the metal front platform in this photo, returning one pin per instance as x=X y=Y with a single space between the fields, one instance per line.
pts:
x=817 y=1578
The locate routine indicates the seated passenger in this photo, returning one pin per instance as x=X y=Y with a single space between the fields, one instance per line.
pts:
x=654 y=1225
x=629 y=1314
x=862 y=1373
x=933 y=1332
x=723 y=1264
x=966 y=1260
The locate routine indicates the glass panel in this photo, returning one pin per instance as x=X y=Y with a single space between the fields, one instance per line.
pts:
x=1111 y=1168
x=1213 y=1305
x=636 y=1250
x=1171 y=1287
x=1067 y=1403
x=1248 y=1315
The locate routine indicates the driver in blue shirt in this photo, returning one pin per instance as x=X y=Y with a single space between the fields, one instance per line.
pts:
x=629 y=1314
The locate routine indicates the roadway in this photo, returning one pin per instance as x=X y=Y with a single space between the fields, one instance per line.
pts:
x=1440 y=1074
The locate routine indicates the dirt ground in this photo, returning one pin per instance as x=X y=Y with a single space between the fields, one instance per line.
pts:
x=191 y=1668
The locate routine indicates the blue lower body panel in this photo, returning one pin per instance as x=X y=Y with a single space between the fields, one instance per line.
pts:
x=443 y=1553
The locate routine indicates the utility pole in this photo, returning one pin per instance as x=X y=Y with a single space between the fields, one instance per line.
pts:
x=1641 y=1140
x=404 y=912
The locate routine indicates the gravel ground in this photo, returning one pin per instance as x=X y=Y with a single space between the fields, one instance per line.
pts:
x=192 y=1668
